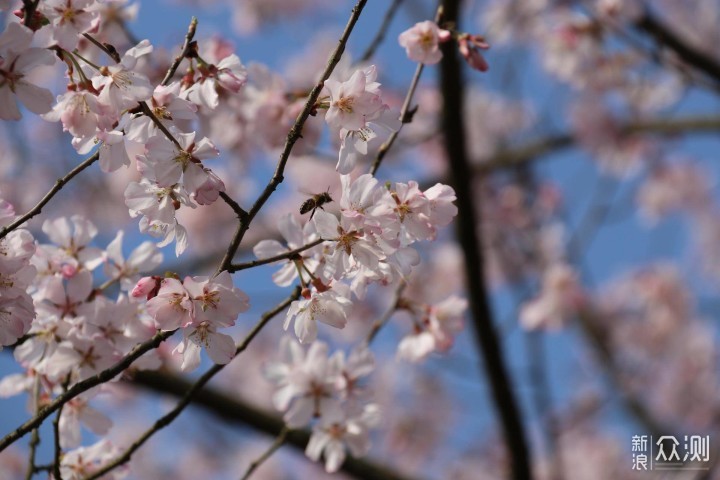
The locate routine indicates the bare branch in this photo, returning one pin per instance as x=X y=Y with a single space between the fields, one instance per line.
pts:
x=59 y=184
x=279 y=441
x=187 y=45
x=467 y=221
x=670 y=39
x=382 y=31
x=405 y=113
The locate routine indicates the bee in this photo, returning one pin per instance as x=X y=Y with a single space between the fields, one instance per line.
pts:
x=315 y=202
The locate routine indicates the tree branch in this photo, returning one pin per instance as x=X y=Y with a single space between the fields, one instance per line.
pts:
x=235 y=410
x=236 y=267
x=59 y=184
x=187 y=45
x=83 y=386
x=451 y=84
x=294 y=134
x=168 y=418
x=531 y=150
x=382 y=31
x=670 y=39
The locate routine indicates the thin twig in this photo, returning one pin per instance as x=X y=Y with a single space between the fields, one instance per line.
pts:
x=183 y=51
x=294 y=134
x=406 y=115
x=58 y=449
x=109 y=50
x=380 y=322
x=239 y=211
x=382 y=31
x=166 y=419
x=83 y=386
x=35 y=437
x=279 y=441
x=236 y=267
x=59 y=184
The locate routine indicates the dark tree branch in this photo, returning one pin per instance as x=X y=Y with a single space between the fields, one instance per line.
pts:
x=703 y=62
x=489 y=343
x=235 y=410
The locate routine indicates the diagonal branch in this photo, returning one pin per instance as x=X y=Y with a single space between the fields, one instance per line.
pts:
x=382 y=31
x=83 y=386
x=232 y=409
x=488 y=341
x=293 y=136
x=290 y=254
x=686 y=52
x=191 y=392
x=59 y=184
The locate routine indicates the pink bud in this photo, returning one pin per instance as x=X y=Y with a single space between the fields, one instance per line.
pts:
x=147 y=287
x=210 y=189
x=68 y=270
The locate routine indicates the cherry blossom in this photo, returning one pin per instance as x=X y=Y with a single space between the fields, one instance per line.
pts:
x=68 y=19
x=329 y=307
x=119 y=85
x=421 y=42
x=16 y=62
x=336 y=432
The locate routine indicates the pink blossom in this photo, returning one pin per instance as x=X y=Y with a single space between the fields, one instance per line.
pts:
x=216 y=300
x=220 y=347
x=120 y=86
x=68 y=19
x=172 y=307
x=561 y=297
x=470 y=46
x=421 y=42
x=337 y=431
x=328 y=307
x=350 y=102
x=146 y=257
x=16 y=62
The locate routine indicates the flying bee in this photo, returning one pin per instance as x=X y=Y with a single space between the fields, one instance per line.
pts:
x=315 y=202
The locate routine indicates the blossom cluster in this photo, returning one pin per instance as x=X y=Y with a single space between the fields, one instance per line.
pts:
x=78 y=330
x=66 y=326
x=314 y=386
x=369 y=242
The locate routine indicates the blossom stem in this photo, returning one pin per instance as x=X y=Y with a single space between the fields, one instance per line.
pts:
x=187 y=45
x=382 y=321
x=166 y=419
x=108 y=49
x=283 y=256
x=77 y=54
x=279 y=441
